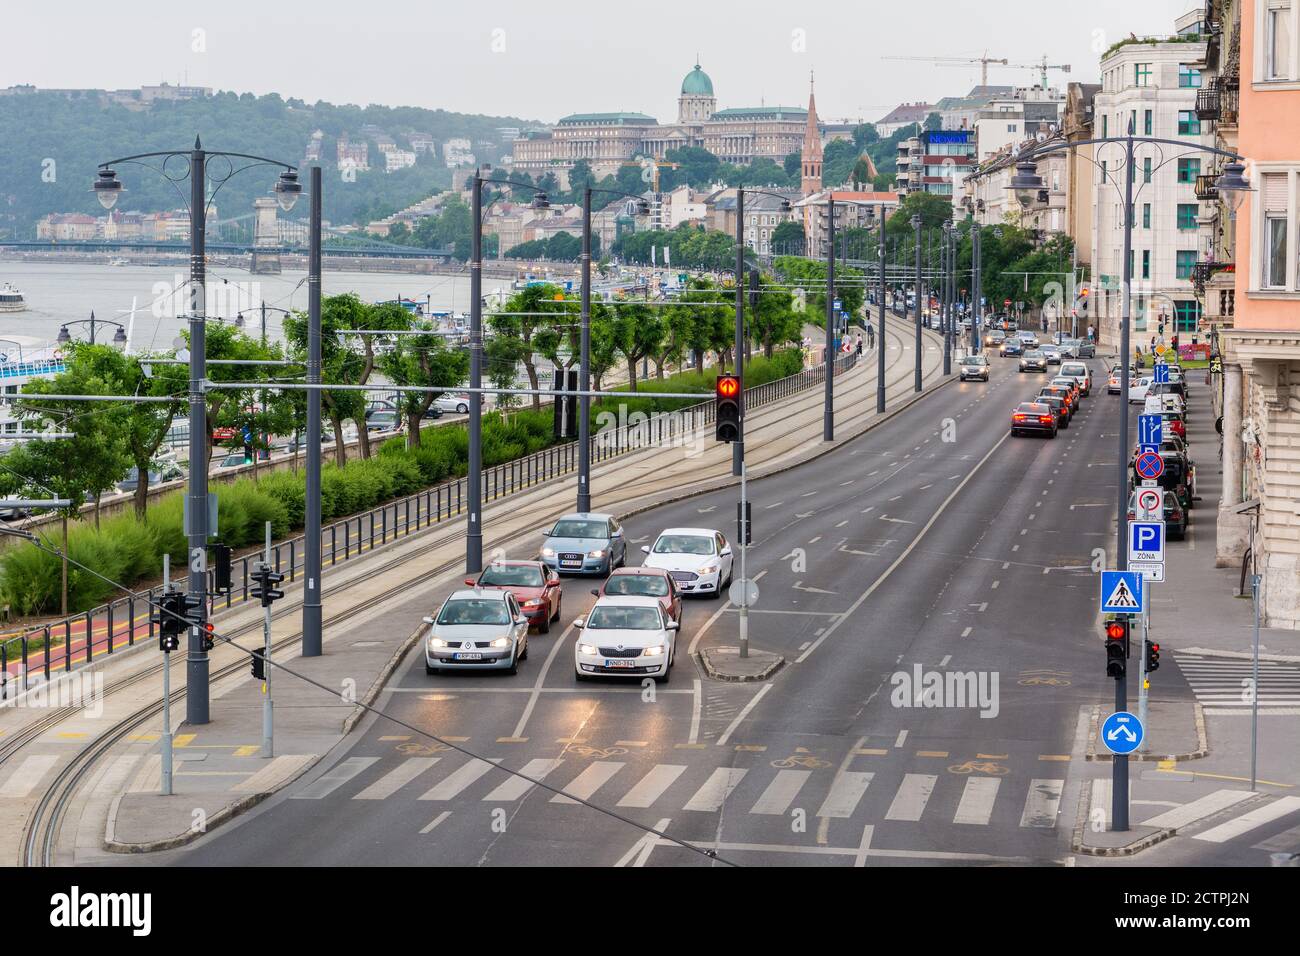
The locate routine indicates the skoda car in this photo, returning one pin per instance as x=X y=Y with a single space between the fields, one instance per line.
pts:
x=699 y=559
x=474 y=630
x=625 y=637
x=585 y=544
x=974 y=366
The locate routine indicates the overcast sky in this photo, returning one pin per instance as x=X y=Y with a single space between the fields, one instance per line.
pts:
x=540 y=60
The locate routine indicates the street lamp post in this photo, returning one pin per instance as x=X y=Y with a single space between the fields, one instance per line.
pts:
x=828 y=414
x=107 y=188
x=945 y=295
x=312 y=638
x=977 y=288
x=916 y=226
x=880 y=337
x=1025 y=185
x=474 y=480
x=119 y=337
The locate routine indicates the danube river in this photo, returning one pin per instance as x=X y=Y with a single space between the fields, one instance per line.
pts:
x=59 y=292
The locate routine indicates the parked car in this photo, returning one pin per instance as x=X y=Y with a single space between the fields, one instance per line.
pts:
x=159 y=471
x=233 y=460
x=1175 y=516
x=1052 y=353
x=383 y=420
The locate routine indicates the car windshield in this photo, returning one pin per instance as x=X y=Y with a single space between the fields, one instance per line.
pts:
x=684 y=544
x=1073 y=370
x=624 y=618
x=577 y=528
x=974 y=360
x=513 y=575
x=1034 y=354
x=641 y=585
x=474 y=611
x=1032 y=408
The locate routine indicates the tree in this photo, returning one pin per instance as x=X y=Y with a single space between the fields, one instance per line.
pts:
x=526 y=313
x=774 y=322
x=227 y=408
x=638 y=331
x=788 y=237
x=793 y=164
x=865 y=135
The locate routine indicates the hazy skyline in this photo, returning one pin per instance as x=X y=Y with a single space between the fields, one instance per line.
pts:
x=540 y=62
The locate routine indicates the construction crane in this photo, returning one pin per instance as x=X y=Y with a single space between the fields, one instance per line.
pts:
x=1042 y=66
x=656 y=164
x=983 y=61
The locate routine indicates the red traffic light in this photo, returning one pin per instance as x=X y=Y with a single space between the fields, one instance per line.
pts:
x=728 y=386
x=1116 y=630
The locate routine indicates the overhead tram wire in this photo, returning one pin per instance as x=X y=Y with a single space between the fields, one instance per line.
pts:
x=711 y=855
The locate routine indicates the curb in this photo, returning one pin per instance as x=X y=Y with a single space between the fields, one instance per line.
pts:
x=1202 y=740
x=715 y=674
x=377 y=685
x=228 y=812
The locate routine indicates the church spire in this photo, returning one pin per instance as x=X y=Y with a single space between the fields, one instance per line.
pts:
x=812 y=147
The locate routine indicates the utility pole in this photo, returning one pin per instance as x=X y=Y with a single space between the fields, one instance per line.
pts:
x=268 y=712
x=474 y=480
x=743 y=546
x=828 y=415
x=196 y=661
x=167 y=692
x=880 y=338
x=584 y=364
x=977 y=300
x=312 y=639
x=916 y=226
x=738 y=447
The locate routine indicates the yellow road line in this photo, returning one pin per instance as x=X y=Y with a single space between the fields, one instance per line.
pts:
x=247 y=750
x=757 y=748
x=870 y=752
x=1223 y=776
x=1062 y=757
x=183 y=740
x=933 y=753
x=989 y=756
x=512 y=740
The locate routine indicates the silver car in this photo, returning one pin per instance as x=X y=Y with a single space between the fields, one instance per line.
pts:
x=476 y=629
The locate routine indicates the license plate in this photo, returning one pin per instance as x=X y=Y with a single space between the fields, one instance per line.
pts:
x=620 y=662
x=570 y=564
x=467 y=657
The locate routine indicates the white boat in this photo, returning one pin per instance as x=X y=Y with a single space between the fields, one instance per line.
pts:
x=11 y=300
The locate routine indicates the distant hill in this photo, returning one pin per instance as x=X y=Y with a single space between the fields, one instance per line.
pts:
x=77 y=133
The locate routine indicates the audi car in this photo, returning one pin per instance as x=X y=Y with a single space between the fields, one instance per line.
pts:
x=584 y=544
x=1033 y=418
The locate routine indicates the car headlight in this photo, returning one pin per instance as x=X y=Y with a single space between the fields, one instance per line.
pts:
x=653 y=651
x=709 y=569
x=437 y=642
x=535 y=602
x=500 y=642
x=587 y=649
x=598 y=553
x=548 y=552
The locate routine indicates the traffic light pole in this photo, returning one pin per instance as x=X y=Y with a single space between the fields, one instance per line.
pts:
x=167 y=696
x=1142 y=674
x=474 y=478
x=268 y=707
x=584 y=364
x=196 y=659
x=743 y=546
x=916 y=225
x=738 y=447
x=880 y=337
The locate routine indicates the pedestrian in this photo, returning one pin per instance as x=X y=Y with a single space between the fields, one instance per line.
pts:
x=859 y=343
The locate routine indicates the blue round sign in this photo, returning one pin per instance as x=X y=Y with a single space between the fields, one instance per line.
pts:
x=1122 y=733
x=1149 y=465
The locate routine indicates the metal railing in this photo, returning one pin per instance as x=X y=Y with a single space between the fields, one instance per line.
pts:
x=61 y=646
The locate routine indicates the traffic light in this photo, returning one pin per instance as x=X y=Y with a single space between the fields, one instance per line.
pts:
x=221 y=568
x=264 y=580
x=726 y=406
x=1153 y=656
x=259 y=664
x=1116 y=648
x=170 y=618
x=744 y=526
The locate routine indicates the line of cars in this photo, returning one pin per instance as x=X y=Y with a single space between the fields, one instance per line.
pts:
x=1056 y=404
x=630 y=631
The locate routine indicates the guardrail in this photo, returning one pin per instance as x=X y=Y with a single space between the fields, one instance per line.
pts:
x=117 y=625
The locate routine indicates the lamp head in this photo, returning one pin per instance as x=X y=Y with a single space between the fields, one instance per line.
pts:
x=1026 y=182
x=1233 y=185
x=287 y=189
x=107 y=187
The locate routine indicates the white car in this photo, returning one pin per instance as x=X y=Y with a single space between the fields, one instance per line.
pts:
x=974 y=366
x=476 y=629
x=625 y=637
x=453 y=402
x=699 y=559
x=1138 y=388
x=1079 y=372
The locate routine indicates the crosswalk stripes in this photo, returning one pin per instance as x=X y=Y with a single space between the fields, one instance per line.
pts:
x=27 y=775
x=1223 y=684
x=1189 y=813
x=765 y=793
x=1250 y=820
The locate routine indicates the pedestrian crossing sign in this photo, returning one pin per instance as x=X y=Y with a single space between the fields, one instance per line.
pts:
x=1122 y=592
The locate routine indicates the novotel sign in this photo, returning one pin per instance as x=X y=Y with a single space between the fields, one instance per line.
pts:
x=949 y=136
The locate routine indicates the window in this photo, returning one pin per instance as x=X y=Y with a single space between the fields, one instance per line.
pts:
x=1146 y=263
x=1104 y=125
x=1141 y=73
x=1277 y=40
x=1146 y=169
x=1146 y=215
x=1146 y=124
x=1189 y=124
x=1188 y=76
x=1188 y=170
x=1184 y=261
x=1273 y=193
x=1186 y=215
x=1187 y=316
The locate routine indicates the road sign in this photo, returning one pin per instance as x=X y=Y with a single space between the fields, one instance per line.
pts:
x=1148 y=504
x=1150 y=572
x=1121 y=592
x=1122 y=733
x=1160 y=373
x=837 y=306
x=1150 y=429
x=1161 y=349
x=1146 y=542
x=743 y=592
x=1149 y=465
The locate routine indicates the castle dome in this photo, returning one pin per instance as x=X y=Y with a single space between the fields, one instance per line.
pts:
x=697 y=83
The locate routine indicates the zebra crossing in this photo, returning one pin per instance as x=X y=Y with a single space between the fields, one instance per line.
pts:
x=968 y=800
x=1224 y=685
x=1247 y=815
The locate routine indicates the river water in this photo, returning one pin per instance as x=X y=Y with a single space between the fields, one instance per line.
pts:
x=59 y=292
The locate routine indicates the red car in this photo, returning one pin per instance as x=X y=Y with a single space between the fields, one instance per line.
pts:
x=535 y=586
x=644 y=582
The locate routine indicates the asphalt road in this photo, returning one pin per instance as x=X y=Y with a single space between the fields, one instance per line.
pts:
x=934 y=542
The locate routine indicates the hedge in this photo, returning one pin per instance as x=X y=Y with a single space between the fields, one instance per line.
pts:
x=127 y=550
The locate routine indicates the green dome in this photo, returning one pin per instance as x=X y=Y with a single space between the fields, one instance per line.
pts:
x=697 y=83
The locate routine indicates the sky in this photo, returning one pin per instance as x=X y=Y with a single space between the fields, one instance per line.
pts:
x=541 y=60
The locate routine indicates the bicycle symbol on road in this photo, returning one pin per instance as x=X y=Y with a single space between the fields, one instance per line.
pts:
x=1048 y=678
x=980 y=766
x=812 y=763
x=421 y=750
x=583 y=751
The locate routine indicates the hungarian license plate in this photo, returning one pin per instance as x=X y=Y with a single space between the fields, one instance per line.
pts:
x=620 y=662
x=467 y=657
x=570 y=564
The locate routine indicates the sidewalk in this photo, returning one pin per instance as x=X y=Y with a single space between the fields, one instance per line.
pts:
x=218 y=771
x=1199 y=714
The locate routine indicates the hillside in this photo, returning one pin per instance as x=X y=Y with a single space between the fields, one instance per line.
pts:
x=52 y=145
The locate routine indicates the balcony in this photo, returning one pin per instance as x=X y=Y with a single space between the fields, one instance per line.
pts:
x=1206 y=190
x=1202 y=272
x=1218 y=104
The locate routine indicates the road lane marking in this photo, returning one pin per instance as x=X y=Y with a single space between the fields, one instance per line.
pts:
x=977 y=798
x=1250 y=821
x=541 y=679
x=29 y=773
x=716 y=789
x=697 y=705
x=1207 y=805
x=744 y=711
x=515 y=787
x=845 y=793
x=435 y=821
x=966 y=632
x=652 y=786
x=396 y=779
x=334 y=778
x=1042 y=804
x=592 y=778
x=780 y=793
x=902 y=736
x=912 y=796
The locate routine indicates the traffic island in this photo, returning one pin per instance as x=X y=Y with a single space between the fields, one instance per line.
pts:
x=725 y=663
x=1175 y=730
